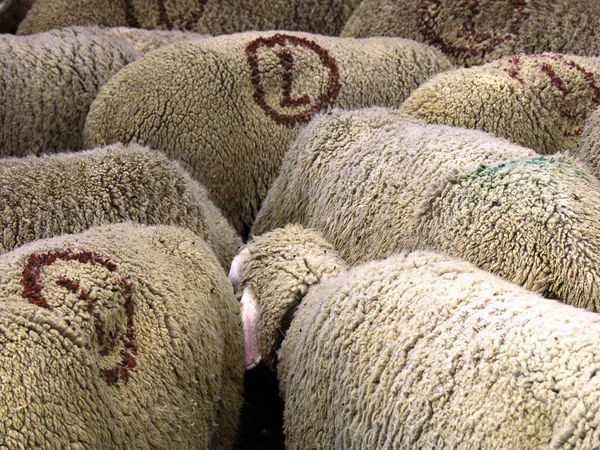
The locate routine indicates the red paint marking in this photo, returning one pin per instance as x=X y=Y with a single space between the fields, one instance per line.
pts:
x=183 y=22
x=33 y=287
x=479 y=42
x=322 y=101
x=548 y=67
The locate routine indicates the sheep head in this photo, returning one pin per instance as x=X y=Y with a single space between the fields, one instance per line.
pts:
x=275 y=271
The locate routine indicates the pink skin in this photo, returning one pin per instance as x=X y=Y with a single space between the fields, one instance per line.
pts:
x=249 y=310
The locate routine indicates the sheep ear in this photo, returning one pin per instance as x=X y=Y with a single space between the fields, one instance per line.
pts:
x=235 y=273
x=250 y=312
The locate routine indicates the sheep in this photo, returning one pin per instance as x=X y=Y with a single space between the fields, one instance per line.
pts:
x=375 y=183
x=48 y=83
x=479 y=31
x=125 y=336
x=12 y=13
x=538 y=101
x=588 y=149
x=228 y=106
x=42 y=197
x=202 y=16
x=420 y=350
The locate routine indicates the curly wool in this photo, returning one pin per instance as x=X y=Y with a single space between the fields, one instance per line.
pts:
x=589 y=144
x=286 y=261
x=374 y=184
x=42 y=197
x=48 y=83
x=202 y=16
x=480 y=31
x=427 y=351
x=233 y=103
x=539 y=101
x=12 y=12
x=121 y=337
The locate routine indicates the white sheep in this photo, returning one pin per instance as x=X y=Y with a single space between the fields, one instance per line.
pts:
x=125 y=336
x=228 y=106
x=214 y=17
x=419 y=350
x=42 y=197
x=539 y=101
x=375 y=183
x=475 y=31
x=48 y=83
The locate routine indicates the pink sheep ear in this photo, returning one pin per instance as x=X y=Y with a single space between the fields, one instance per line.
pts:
x=235 y=272
x=250 y=312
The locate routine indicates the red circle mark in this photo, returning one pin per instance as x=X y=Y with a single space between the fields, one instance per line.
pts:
x=559 y=84
x=286 y=58
x=33 y=285
x=181 y=22
x=480 y=42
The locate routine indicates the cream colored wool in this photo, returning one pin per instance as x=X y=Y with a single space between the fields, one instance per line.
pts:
x=42 y=197
x=478 y=31
x=121 y=337
x=227 y=107
x=589 y=144
x=145 y=41
x=289 y=260
x=375 y=184
x=423 y=350
x=202 y=16
x=12 y=13
x=48 y=83
x=539 y=101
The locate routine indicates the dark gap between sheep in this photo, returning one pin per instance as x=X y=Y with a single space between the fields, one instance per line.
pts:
x=261 y=424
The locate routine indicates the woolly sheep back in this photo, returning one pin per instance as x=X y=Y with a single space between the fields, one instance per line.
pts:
x=480 y=31
x=124 y=336
x=539 y=101
x=427 y=351
x=202 y=16
x=48 y=83
x=228 y=106
x=48 y=196
x=374 y=184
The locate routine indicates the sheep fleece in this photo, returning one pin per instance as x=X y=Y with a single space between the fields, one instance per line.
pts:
x=48 y=83
x=374 y=183
x=227 y=107
x=43 y=197
x=427 y=351
x=473 y=32
x=539 y=101
x=589 y=144
x=203 y=16
x=145 y=41
x=122 y=337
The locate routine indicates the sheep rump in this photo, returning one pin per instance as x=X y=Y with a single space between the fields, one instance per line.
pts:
x=530 y=219
x=428 y=351
x=203 y=16
x=48 y=83
x=49 y=196
x=480 y=31
x=538 y=101
x=121 y=337
x=235 y=102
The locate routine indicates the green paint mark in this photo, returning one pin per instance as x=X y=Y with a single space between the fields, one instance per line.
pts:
x=543 y=162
